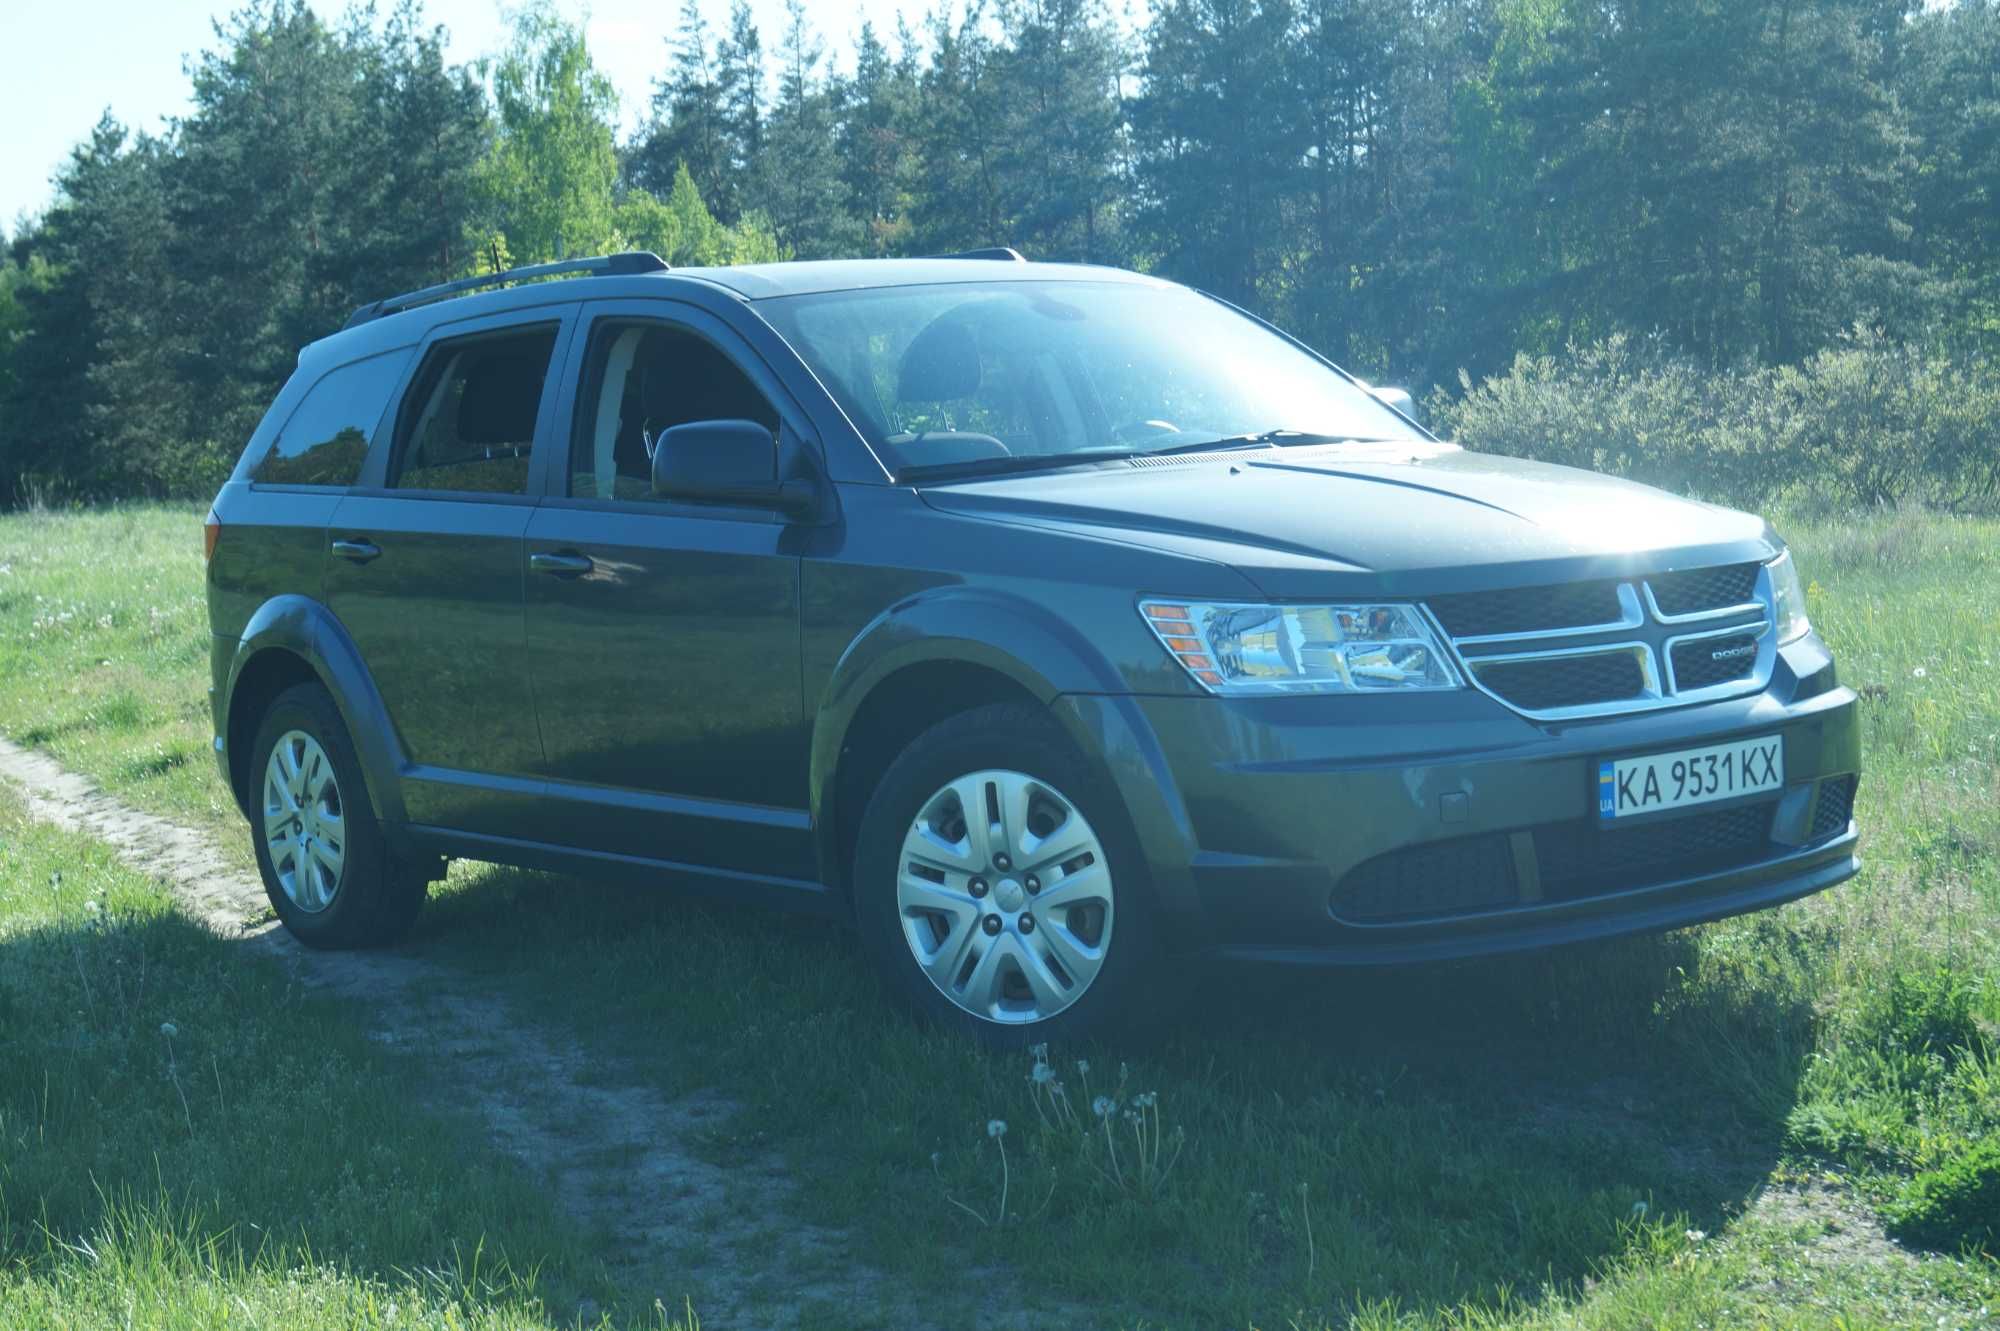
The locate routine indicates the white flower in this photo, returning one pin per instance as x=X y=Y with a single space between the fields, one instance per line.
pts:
x=168 y=1029
x=1696 y=1235
x=1042 y=1075
x=996 y=1127
x=1920 y=673
x=1103 y=1106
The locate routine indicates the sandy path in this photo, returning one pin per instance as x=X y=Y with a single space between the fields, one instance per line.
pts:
x=617 y=1155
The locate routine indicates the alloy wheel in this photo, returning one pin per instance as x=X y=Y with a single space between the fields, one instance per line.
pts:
x=1005 y=896
x=304 y=829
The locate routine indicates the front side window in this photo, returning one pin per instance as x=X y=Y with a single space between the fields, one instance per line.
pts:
x=326 y=439
x=945 y=374
x=643 y=378
x=468 y=421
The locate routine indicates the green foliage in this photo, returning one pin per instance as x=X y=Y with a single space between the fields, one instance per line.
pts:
x=1956 y=1205
x=1419 y=190
x=1866 y=423
x=550 y=177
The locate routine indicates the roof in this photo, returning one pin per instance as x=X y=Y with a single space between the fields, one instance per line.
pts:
x=400 y=320
x=758 y=281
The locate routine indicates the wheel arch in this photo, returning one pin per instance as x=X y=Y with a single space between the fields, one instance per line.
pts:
x=925 y=659
x=293 y=640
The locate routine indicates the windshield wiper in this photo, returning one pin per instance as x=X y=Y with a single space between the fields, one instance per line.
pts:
x=1262 y=439
x=1002 y=466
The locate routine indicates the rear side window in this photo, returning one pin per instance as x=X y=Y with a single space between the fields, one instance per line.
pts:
x=326 y=440
x=468 y=422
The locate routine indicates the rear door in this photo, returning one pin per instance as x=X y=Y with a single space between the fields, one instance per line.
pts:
x=663 y=637
x=426 y=567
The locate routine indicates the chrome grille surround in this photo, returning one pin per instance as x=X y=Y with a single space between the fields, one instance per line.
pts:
x=1641 y=629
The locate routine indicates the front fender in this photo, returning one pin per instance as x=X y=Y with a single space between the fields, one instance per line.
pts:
x=308 y=630
x=959 y=625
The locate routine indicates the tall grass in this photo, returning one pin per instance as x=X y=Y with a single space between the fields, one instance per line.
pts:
x=1866 y=425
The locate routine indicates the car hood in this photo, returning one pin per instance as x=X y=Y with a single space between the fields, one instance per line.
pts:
x=1413 y=518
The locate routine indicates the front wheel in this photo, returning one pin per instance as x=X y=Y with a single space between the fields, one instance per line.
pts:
x=999 y=887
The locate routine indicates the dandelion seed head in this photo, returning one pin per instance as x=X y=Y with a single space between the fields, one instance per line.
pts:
x=1042 y=1075
x=996 y=1127
x=1102 y=1106
x=168 y=1029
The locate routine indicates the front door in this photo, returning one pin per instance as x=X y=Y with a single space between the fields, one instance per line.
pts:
x=663 y=637
x=426 y=569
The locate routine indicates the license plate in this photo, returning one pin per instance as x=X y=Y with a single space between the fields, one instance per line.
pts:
x=1659 y=781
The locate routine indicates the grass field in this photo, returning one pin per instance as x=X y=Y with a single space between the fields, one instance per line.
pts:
x=1713 y=1128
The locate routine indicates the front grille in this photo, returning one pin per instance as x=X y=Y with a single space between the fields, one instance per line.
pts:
x=1528 y=609
x=1698 y=589
x=1582 y=859
x=1435 y=880
x=1835 y=809
x=1576 y=861
x=1602 y=646
x=1548 y=682
x=1695 y=666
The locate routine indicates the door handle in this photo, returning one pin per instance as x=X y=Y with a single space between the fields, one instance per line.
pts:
x=568 y=565
x=357 y=550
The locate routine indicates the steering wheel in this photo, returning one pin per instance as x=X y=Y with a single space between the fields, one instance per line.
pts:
x=1135 y=431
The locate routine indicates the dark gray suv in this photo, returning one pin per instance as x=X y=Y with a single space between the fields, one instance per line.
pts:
x=1050 y=623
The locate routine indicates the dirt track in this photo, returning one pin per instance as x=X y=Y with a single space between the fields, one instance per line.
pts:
x=617 y=1155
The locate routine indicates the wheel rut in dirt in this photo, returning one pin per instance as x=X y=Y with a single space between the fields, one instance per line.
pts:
x=618 y=1156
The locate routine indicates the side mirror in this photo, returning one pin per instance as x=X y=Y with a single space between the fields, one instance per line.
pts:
x=1399 y=398
x=725 y=462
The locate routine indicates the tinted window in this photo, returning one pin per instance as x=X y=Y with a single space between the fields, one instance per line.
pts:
x=468 y=422
x=326 y=439
x=943 y=374
x=642 y=379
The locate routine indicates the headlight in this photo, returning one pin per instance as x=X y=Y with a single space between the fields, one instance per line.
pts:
x=1251 y=649
x=1790 y=599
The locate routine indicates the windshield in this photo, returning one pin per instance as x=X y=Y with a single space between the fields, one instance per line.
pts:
x=977 y=373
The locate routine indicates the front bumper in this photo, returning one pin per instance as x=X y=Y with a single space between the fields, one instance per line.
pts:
x=1374 y=830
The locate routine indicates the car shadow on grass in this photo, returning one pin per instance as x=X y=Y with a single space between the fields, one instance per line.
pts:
x=1429 y=1136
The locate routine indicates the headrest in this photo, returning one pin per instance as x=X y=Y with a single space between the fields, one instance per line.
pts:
x=500 y=398
x=940 y=365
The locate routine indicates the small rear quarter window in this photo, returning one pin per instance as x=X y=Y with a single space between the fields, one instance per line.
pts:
x=326 y=440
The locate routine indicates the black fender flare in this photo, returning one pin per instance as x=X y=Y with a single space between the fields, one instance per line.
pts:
x=1045 y=657
x=306 y=629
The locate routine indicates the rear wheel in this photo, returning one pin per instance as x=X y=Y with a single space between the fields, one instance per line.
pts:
x=998 y=886
x=326 y=868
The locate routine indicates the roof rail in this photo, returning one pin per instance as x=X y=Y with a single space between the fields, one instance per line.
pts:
x=999 y=252
x=632 y=261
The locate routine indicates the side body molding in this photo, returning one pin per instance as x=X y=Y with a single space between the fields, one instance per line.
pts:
x=308 y=630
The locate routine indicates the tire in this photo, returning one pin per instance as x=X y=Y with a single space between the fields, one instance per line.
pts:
x=1074 y=953
x=326 y=868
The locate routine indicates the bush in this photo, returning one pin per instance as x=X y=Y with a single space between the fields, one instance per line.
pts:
x=1868 y=423
x=1954 y=1206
